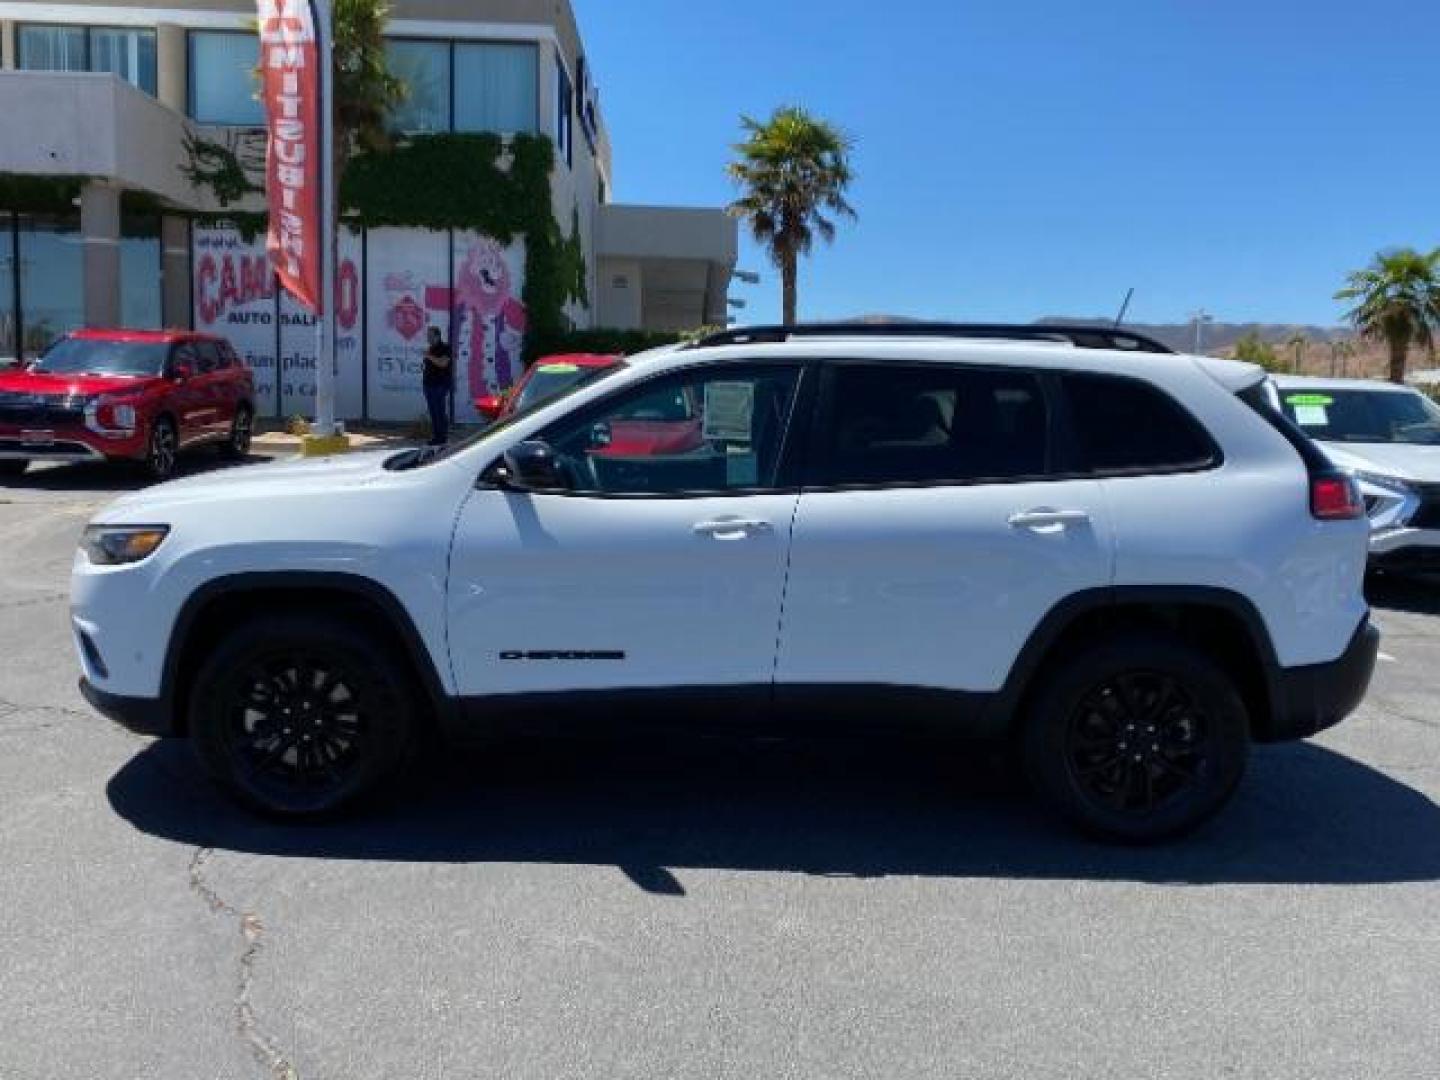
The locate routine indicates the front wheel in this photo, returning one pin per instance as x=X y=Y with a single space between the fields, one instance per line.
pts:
x=1137 y=738
x=242 y=428
x=161 y=450
x=12 y=467
x=300 y=716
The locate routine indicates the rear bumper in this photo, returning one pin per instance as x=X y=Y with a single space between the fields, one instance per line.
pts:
x=1313 y=698
x=144 y=716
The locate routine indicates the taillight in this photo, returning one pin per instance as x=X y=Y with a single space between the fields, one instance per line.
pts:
x=1335 y=497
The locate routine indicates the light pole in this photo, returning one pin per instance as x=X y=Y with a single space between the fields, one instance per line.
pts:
x=1201 y=318
x=325 y=328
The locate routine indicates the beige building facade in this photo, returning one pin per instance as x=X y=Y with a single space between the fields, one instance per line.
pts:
x=106 y=96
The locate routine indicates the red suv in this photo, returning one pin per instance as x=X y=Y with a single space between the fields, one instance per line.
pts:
x=659 y=424
x=140 y=395
x=543 y=380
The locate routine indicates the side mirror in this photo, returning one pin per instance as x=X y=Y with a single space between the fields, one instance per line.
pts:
x=182 y=372
x=490 y=406
x=533 y=466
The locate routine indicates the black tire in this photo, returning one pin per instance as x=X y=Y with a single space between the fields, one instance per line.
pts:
x=350 y=725
x=162 y=449
x=242 y=428
x=11 y=467
x=1079 y=738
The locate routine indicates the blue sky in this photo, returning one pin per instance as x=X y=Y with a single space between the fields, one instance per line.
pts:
x=1019 y=158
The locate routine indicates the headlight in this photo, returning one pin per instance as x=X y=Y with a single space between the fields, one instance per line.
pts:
x=110 y=415
x=1393 y=483
x=116 y=545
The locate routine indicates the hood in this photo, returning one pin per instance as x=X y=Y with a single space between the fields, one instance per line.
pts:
x=1405 y=461
x=295 y=476
x=32 y=382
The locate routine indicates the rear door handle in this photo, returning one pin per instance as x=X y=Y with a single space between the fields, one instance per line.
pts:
x=732 y=528
x=1045 y=518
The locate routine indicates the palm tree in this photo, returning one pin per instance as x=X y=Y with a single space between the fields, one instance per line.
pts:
x=1397 y=301
x=366 y=91
x=1299 y=343
x=794 y=170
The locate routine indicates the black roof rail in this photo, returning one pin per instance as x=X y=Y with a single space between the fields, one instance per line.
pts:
x=1081 y=337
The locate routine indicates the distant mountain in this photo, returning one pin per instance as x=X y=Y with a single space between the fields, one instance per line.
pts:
x=1316 y=357
x=1221 y=337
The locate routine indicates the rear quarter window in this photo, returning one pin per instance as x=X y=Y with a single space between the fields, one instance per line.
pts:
x=1123 y=426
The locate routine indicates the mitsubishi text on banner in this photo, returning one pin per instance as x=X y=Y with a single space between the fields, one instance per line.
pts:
x=290 y=91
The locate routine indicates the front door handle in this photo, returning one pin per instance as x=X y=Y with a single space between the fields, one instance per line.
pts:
x=1045 y=518
x=731 y=528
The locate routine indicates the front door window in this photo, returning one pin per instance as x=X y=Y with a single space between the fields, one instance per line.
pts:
x=723 y=431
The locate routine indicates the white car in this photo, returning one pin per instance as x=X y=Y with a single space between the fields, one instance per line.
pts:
x=1126 y=563
x=1388 y=438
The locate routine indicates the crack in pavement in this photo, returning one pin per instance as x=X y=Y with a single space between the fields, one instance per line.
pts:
x=35 y=601
x=263 y=1046
x=7 y=707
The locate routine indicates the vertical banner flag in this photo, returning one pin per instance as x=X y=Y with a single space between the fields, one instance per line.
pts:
x=290 y=91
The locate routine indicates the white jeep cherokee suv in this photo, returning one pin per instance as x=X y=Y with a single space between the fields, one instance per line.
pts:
x=1128 y=563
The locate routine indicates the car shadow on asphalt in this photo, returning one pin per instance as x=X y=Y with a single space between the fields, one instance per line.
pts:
x=118 y=477
x=1413 y=593
x=1305 y=814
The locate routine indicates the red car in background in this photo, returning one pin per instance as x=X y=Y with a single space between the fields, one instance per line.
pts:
x=663 y=423
x=135 y=395
x=543 y=380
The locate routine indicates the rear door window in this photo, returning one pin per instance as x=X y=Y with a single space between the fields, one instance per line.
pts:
x=208 y=357
x=890 y=425
x=1123 y=426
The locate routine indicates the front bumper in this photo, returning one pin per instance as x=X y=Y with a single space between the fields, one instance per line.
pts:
x=67 y=443
x=1402 y=549
x=144 y=716
x=1312 y=698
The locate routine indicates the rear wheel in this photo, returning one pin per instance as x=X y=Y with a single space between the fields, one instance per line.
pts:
x=13 y=467
x=242 y=428
x=1137 y=738
x=300 y=716
x=161 y=449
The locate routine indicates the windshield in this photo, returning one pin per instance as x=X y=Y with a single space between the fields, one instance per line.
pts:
x=80 y=356
x=427 y=455
x=548 y=381
x=1364 y=416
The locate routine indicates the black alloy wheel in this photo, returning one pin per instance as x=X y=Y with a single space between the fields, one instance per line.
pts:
x=302 y=715
x=1137 y=740
x=1137 y=737
x=162 y=450
x=242 y=431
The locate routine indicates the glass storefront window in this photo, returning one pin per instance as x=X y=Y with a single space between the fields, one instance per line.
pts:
x=424 y=68
x=496 y=87
x=129 y=54
x=52 y=280
x=9 y=346
x=140 y=273
x=222 y=78
x=52 y=48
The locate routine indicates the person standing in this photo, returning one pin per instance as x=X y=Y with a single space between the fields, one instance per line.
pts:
x=439 y=385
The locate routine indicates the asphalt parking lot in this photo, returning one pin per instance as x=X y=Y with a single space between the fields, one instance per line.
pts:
x=698 y=910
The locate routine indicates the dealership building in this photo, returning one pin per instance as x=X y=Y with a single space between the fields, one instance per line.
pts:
x=103 y=221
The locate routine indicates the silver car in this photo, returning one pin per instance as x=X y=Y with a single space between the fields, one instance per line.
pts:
x=1388 y=438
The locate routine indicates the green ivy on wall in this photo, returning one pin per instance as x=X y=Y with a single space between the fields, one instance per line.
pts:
x=487 y=184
